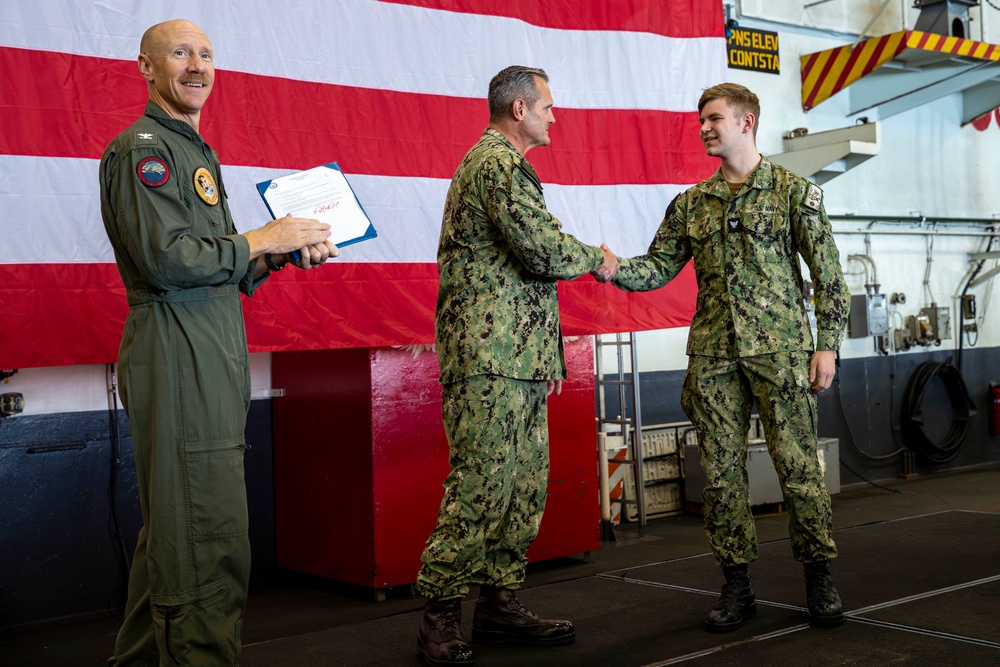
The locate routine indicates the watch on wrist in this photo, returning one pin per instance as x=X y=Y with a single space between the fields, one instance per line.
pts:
x=269 y=263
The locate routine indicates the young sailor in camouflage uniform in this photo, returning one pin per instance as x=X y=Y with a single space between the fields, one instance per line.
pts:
x=183 y=364
x=499 y=347
x=750 y=340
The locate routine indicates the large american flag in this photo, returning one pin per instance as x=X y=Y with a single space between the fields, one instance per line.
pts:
x=394 y=91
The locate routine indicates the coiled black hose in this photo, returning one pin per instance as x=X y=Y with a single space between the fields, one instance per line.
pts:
x=962 y=406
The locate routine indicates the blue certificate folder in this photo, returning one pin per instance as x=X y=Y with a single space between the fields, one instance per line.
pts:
x=358 y=227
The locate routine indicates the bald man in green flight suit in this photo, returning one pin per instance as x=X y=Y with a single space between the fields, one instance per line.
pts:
x=183 y=361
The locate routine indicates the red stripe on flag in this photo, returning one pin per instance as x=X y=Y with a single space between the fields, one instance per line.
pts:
x=63 y=105
x=61 y=314
x=696 y=18
x=341 y=305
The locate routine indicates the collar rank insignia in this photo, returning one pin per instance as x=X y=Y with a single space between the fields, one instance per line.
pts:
x=204 y=185
x=153 y=172
x=814 y=197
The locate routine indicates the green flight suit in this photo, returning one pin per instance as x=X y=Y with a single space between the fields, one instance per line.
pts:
x=750 y=339
x=498 y=344
x=185 y=385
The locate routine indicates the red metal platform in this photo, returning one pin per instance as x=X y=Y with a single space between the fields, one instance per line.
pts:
x=360 y=455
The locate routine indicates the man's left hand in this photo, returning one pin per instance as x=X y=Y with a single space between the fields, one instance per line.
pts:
x=822 y=368
x=316 y=255
x=554 y=386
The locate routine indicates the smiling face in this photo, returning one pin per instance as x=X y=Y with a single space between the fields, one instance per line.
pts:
x=177 y=63
x=723 y=130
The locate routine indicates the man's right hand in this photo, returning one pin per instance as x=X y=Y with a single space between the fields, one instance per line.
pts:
x=610 y=266
x=286 y=234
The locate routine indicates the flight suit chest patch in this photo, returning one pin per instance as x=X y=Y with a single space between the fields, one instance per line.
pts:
x=204 y=185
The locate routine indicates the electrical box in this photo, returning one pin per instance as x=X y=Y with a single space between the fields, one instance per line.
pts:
x=968 y=306
x=869 y=316
x=939 y=320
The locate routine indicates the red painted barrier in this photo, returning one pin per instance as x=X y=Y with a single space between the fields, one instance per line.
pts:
x=360 y=454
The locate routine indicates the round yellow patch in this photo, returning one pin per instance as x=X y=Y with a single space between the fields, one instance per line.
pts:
x=204 y=185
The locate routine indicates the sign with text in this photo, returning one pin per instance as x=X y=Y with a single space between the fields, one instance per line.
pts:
x=755 y=50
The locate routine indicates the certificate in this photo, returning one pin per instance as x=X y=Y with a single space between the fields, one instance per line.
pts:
x=324 y=194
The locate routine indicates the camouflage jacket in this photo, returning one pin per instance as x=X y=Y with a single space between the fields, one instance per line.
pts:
x=745 y=249
x=499 y=257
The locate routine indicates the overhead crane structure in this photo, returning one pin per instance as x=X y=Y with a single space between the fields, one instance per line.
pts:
x=903 y=70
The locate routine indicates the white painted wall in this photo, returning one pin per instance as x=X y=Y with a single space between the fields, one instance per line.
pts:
x=60 y=389
x=850 y=17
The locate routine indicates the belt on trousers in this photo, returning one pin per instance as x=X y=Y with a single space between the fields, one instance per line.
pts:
x=141 y=297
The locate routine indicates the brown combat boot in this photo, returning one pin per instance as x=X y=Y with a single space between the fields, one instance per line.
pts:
x=500 y=617
x=440 y=635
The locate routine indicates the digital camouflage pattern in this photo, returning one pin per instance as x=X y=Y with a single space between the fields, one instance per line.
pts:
x=745 y=249
x=715 y=400
x=750 y=339
x=495 y=493
x=498 y=343
x=499 y=257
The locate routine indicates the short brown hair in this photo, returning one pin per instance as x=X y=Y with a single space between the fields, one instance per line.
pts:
x=740 y=99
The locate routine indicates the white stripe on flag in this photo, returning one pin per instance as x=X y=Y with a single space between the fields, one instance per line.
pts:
x=65 y=219
x=396 y=47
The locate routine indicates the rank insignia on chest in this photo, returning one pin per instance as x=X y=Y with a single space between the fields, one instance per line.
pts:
x=814 y=196
x=153 y=172
x=204 y=185
x=734 y=223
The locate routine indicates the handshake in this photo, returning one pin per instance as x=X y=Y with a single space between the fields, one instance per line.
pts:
x=610 y=267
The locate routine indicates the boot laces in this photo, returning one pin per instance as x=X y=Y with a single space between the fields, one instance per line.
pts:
x=448 y=623
x=821 y=590
x=731 y=593
x=516 y=606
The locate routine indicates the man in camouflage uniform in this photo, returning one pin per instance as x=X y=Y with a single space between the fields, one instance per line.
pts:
x=750 y=340
x=183 y=364
x=499 y=348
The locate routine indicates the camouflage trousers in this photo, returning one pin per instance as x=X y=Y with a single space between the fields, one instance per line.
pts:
x=494 y=495
x=717 y=396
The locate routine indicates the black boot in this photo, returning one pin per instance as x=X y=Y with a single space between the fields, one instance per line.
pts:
x=825 y=607
x=440 y=634
x=737 y=602
x=500 y=617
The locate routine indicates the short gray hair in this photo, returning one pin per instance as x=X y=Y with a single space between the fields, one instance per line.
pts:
x=511 y=83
